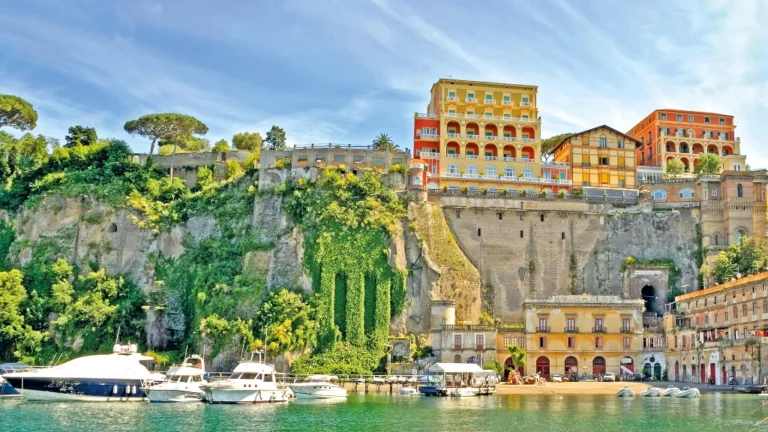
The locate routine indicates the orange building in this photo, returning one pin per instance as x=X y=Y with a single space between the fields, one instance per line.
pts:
x=669 y=133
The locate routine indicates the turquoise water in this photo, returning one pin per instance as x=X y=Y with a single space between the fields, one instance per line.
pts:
x=401 y=414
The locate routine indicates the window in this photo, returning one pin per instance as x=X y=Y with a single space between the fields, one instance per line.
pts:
x=490 y=171
x=603 y=142
x=451 y=94
x=542 y=217
x=339 y=158
x=471 y=169
x=571 y=342
x=723 y=136
x=736 y=334
x=687 y=193
x=735 y=312
x=453 y=169
x=621 y=144
x=765 y=306
x=505 y=99
x=626 y=342
x=659 y=195
x=470 y=95
x=509 y=341
x=706 y=119
x=479 y=232
x=525 y=100
x=690 y=118
x=562 y=235
x=458 y=214
x=451 y=111
x=571 y=324
x=625 y=324
x=479 y=341
x=679 y=117
x=598 y=324
x=714 y=192
x=542 y=342
x=726 y=317
x=521 y=233
x=603 y=161
x=303 y=158
x=722 y=121
x=743 y=310
x=509 y=172
x=501 y=215
x=754 y=308
x=527 y=173
x=739 y=191
x=663 y=116
x=598 y=342
x=585 y=183
x=378 y=160
x=489 y=96
x=542 y=324
x=457 y=341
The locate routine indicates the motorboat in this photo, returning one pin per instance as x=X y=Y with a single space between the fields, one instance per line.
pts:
x=670 y=391
x=116 y=377
x=457 y=379
x=651 y=392
x=626 y=392
x=182 y=383
x=251 y=382
x=319 y=387
x=378 y=380
x=466 y=391
x=7 y=390
x=408 y=391
x=687 y=392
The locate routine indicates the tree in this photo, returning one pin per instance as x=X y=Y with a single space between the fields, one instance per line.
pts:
x=675 y=167
x=709 y=163
x=17 y=113
x=250 y=141
x=548 y=145
x=221 y=146
x=745 y=257
x=204 y=176
x=166 y=126
x=276 y=138
x=80 y=135
x=16 y=337
x=287 y=322
x=384 y=143
x=517 y=355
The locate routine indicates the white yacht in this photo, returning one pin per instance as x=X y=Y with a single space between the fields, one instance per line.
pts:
x=319 y=387
x=119 y=376
x=182 y=383
x=251 y=382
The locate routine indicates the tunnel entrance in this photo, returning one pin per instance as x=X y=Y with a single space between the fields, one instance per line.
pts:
x=648 y=293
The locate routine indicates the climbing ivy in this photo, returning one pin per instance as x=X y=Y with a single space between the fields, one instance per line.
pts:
x=348 y=221
x=673 y=272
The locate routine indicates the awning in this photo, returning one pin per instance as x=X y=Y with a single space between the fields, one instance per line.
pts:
x=456 y=368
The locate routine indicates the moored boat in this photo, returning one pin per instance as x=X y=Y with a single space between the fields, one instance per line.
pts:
x=251 y=382
x=7 y=390
x=626 y=392
x=116 y=377
x=182 y=383
x=651 y=392
x=457 y=379
x=686 y=392
x=670 y=391
x=408 y=391
x=319 y=387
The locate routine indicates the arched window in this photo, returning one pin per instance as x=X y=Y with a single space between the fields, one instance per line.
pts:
x=509 y=172
x=416 y=180
x=659 y=195
x=739 y=190
x=490 y=171
x=687 y=193
x=691 y=134
x=471 y=169
x=453 y=169
x=527 y=173
x=453 y=187
x=740 y=234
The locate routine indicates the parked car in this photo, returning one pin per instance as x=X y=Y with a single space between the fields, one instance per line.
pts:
x=609 y=376
x=557 y=378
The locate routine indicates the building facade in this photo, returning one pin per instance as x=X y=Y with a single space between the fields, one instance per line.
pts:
x=600 y=158
x=484 y=136
x=719 y=332
x=583 y=334
x=668 y=133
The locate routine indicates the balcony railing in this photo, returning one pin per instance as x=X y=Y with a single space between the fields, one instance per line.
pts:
x=479 y=347
x=472 y=135
x=470 y=327
x=627 y=330
x=473 y=116
x=430 y=155
x=529 y=120
x=491 y=117
x=453 y=135
x=452 y=98
x=571 y=330
x=452 y=155
x=525 y=103
x=491 y=137
x=509 y=159
x=470 y=99
x=430 y=136
x=509 y=138
x=490 y=101
x=456 y=347
x=526 y=159
x=424 y=115
x=453 y=114
x=491 y=158
x=503 y=178
x=469 y=156
x=600 y=329
x=507 y=102
x=542 y=329
x=524 y=139
x=509 y=118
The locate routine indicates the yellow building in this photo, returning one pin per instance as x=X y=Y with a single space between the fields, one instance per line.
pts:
x=480 y=135
x=600 y=157
x=583 y=334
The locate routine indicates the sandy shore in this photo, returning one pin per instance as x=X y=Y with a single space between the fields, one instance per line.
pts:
x=576 y=388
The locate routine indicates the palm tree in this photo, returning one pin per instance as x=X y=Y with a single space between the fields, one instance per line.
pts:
x=517 y=355
x=384 y=142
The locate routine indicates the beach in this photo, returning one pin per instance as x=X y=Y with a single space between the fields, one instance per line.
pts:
x=570 y=388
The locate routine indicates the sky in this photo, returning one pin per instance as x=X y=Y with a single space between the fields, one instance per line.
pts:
x=346 y=71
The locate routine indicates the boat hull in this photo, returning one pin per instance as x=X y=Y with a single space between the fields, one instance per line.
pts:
x=626 y=392
x=245 y=396
x=690 y=393
x=78 y=389
x=174 y=396
x=324 y=392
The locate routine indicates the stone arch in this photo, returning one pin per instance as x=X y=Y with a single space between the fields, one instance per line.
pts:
x=457 y=358
x=542 y=367
x=598 y=365
x=648 y=293
x=571 y=365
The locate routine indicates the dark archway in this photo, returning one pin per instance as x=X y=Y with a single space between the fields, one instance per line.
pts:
x=542 y=367
x=657 y=371
x=598 y=366
x=648 y=293
x=571 y=365
x=677 y=371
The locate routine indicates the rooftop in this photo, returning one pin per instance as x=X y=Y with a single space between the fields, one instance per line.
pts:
x=584 y=300
x=722 y=287
x=483 y=83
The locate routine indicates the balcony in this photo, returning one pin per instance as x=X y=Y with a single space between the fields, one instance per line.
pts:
x=452 y=155
x=472 y=136
x=509 y=159
x=627 y=330
x=527 y=104
x=491 y=137
x=526 y=159
x=424 y=115
x=430 y=136
x=470 y=327
x=453 y=114
x=585 y=165
x=470 y=100
x=508 y=138
x=490 y=101
x=473 y=116
x=514 y=179
x=452 y=98
x=542 y=329
x=529 y=120
x=491 y=117
x=571 y=330
x=509 y=118
x=430 y=155
x=479 y=347
x=507 y=102
x=525 y=139
x=470 y=156
x=491 y=158
x=456 y=347
x=453 y=135
x=600 y=329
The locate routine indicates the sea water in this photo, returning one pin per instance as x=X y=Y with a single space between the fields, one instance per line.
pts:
x=711 y=412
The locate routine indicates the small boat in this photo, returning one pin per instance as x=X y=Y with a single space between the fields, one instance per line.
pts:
x=408 y=391
x=182 y=383
x=319 y=387
x=251 y=382
x=626 y=392
x=116 y=377
x=378 y=380
x=466 y=391
x=651 y=392
x=670 y=391
x=393 y=379
x=686 y=392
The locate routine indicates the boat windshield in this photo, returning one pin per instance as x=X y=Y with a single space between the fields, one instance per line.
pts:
x=246 y=376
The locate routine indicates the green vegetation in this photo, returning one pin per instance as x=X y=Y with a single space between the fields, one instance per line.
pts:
x=276 y=138
x=17 y=113
x=384 y=142
x=673 y=283
x=709 y=163
x=548 y=145
x=221 y=146
x=171 y=127
x=80 y=135
x=517 y=355
x=746 y=257
x=675 y=168
x=248 y=141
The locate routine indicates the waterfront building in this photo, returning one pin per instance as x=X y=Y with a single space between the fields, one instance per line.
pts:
x=461 y=342
x=681 y=134
x=483 y=136
x=601 y=159
x=583 y=334
x=719 y=332
x=333 y=155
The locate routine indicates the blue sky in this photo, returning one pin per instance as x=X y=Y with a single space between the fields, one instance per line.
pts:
x=344 y=71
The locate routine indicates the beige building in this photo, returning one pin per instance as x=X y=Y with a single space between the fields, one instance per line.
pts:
x=461 y=342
